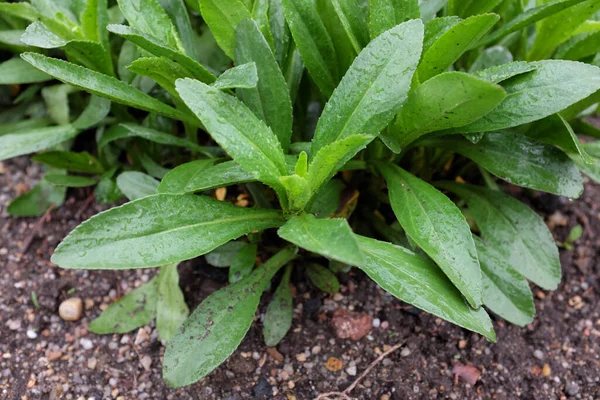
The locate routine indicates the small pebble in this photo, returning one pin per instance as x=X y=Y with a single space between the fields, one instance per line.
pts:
x=301 y=357
x=405 y=352
x=376 y=323
x=71 y=309
x=316 y=350
x=31 y=334
x=86 y=343
x=351 y=370
x=338 y=297
x=538 y=354
x=572 y=388
x=146 y=362
x=546 y=371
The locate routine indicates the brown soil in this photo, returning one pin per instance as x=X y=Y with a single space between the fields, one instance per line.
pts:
x=44 y=357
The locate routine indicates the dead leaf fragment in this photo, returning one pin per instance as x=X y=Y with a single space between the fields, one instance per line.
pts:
x=468 y=373
x=351 y=325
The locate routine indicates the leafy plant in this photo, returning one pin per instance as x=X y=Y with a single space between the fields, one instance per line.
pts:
x=374 y=134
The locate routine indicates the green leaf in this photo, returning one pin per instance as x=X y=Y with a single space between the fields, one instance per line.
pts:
x=171 y=310
x=133 y=311
x=223 y=256
x=328 y=200
x=429 y=8
x=107 y=191
x=103 y=86
x=149 y=18
x=24 y=125
x=521 y=161
x=96 y=110
x=373 y=89
x=94 y=20
x=18 y=72
x=278 y=318
x=323 y=278
x=314 y=43
x=223 y=17
x=237 y=130
x=70 y=161
x=474 y=7
x=37 y=201
x=216 y=328
x=243 y=76
x=553 y=86
x=158 y=49
x=437 y=226
x=454 y=43
x=20 y=10
x=503 y=72
x=579 y=47
x=178 y=13
x=385 y=14
x=418 y=281
x=466 y=99
x=56 y=98
x=492 y=57
x=200 y=175
x=70 y=180
x=135 y=185
x=243 y=263
x=559 y=27
x=279 y=30
x=505 y=291
x=161 y=70
x=526 y=18
x=331 y=238
x=25 y=142
x=134 y=130
x=270 y=99
x=158 y=230
x=514 y=228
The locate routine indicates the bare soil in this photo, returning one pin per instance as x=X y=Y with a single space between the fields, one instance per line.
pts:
x=44 y=357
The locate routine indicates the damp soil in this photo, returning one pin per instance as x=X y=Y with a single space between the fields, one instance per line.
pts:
x=44 y=357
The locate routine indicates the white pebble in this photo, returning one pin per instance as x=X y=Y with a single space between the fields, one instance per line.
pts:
x=405 y=352
x=376 y=323
x=31 y=334
x=86 y=343
x=351 y=370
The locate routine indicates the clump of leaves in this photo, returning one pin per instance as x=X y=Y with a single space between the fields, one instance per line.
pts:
x=386 y=155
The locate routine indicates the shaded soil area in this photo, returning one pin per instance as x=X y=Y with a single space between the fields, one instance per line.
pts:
x=44 y=357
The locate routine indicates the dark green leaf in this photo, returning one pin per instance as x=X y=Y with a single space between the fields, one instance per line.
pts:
x=223 y=256
x=179 y=15
x=158 y=230
x=149 y=18
x=70 y=180
x=155 y=136
x=385 y=14
x=202 y=175
x=580 y=46
x=75 y=162
x=37 y=201
x=25 y=142
x=278 y=318
x=438 y=227
x=243 y=76
x=243 y=263
x=18 y=72
x=171 y=310
x=323 y=278
x=161 y=70
x=223 y=17
x=96 y=110
x=135 y=185
x=107 y=191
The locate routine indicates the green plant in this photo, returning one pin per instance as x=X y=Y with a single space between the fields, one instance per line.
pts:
x=413 y=102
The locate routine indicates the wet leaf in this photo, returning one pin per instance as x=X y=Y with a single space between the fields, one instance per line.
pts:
x=37 y=139
x=70 y=161
x=503 y=72
x=437 y=226
x=223 y=256
x=323 y=278
x=149 y=18
x=278 y=318
x=200 y=175
x=37 y=201
x=171 y=310
x=243 y=76
x=136 y=185
x=69 y=180
x=223 y=17
x=158 y=230
x=385 y=14
x=243 y=263
x=216 y=328
x=18 y=72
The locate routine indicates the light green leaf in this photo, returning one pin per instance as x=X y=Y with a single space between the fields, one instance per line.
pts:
x=437 y=226
x=503 y=72
x=466 y=8
x=103 y=86
x=161 y=70
x=492 y=57
x=135 y=185
x=171 y=310
x=243 y=76
x=133 y=311
x=178 y=13
x=134 y=130
x=243 y=263
x=20 y=10
x=56 y=98
x=237 y=130
x=466 y=99
x=373 y=89
x=216 y=328
x=454 y=43
x=94 y=20
x=270 y=99
x=158 y=230
x=418 y=281
x=323 y=278
x=75 y=162
x=385 y=14
x=107 y=191
x=200 y=175
x=314 y=43
x=37 y=201
x=149 y=18
x=96 y=110
x=514 y=228
x=505 y=291
x=553 y=86
x=521 y=161
x=278 y=318
x=18 y=72
x=70 y=180
x=260 y=14
x=223 y=17
x=429 y=8
x=331 y=238
x=25 y=142
x=223 y=256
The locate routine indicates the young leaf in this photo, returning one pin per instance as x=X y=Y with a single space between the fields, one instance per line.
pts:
x=278 y=318
x=200 y=175
x=135 y=185
x=133 y=311
x=75 y=162
x=505 y=291
x=223 y=256
x=437 y=226
x=216 y=328
x=94 y=20
x=454 y=43
x=70 y=180
x=521 y=161
x=270 y=99
x=418 y=281
x=158 y=230
x=465 y=99
x=149 y=18
x=243 y=263
x=323 y=278
x=161 y=70
x=19 y=72
x=314 y=43
x=331 y=238
x=37 y=201
x=243 y=76
x=239 y=132
x=223 y=17
x=171 y=310
x=373 y=89
x=500 y=73
x=553 y=86
x=513 y=228
x=25 y=142
x=385 y=14
x=178 y=13
x=103 y=86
